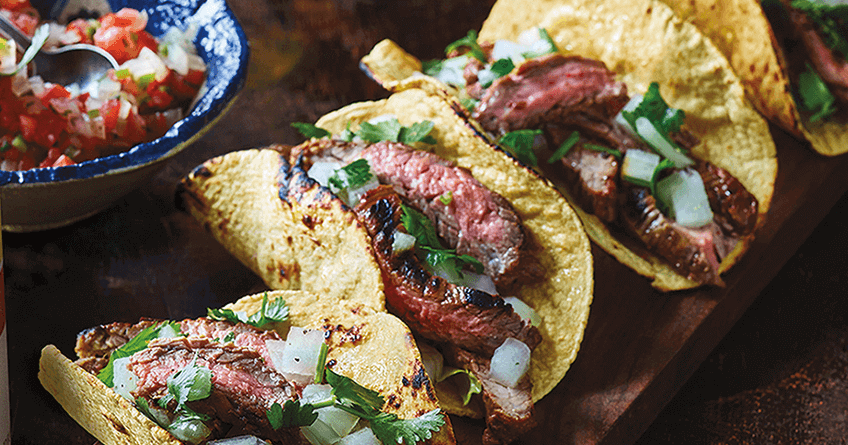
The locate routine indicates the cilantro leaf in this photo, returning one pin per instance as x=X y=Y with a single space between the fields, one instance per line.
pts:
x=565 y=147
x=352 y=175
x=417 y=132
x=446 y=198
x=392 y=430
x=191 y=383
x=427 y=240
x=603 y=149
x=136 y=344
x=520 y=143
x=291 y=414
x=495 y=71
x=815 y=95
x=655 y=109
x=310 y=130
x=277 y=311
x=391 y=130
x=348 y=393
x=469 y=42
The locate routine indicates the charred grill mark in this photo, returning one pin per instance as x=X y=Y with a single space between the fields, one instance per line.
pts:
x=430 y=305
x=420 y=379
x=352 y=335
x=308 y=221
x=394 y=401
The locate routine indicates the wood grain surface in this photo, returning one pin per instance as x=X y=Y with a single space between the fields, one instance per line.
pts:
x=144 y=258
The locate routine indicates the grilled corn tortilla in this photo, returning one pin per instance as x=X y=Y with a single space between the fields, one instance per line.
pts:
x=643 y=42
x=562 y=297
x=383 y=354
x=306 y=242
x=743 y=34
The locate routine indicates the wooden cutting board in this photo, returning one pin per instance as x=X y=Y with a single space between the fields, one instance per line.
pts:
x=144 y=258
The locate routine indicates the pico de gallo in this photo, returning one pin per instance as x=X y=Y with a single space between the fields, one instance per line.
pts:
x=48 y=125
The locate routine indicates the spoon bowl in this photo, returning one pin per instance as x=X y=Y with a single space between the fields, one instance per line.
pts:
x=79 y=63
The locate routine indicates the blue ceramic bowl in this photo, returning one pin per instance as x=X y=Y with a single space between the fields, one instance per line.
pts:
x=47 y=198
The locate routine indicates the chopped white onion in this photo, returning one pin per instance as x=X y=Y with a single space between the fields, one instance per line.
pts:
x=638 y=166
x=176 y=58
x=402 y=241
x=352 y=195
x=321 y=171
x=433 y=361
x=299 y=358
x=452 y=71
x=339 y=421
x=192 y=430
x=686 y=197
x=382 y=118
x=145 y=64
x=631 y=105
x=8 y=56
x=124 y=379
x=510 y=362
x=524 y=310
x=238 y=440
x=658 y=142
x=107 y=89
x=363 y=436
x=481 y=282
x=319 y=433
x=505 y=49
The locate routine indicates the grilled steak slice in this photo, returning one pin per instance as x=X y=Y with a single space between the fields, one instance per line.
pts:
x=509 y=411
x=690 y=252
x=833 y=69
x=734 y=208
x=431 y=306
x=541 y=89
x=592 y=179
x=243 y=386
x=476 y=221
x=95 y=345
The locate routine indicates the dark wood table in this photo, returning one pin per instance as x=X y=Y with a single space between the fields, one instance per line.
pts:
x=143 y=257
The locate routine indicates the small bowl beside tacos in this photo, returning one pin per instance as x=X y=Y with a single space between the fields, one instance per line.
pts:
x=452 y=227
x=632 y=113
x=270 y=367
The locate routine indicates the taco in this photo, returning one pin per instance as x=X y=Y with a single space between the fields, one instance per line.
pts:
x=553 y=81
x=791 y=57
x=509 y=233
x=222 y=379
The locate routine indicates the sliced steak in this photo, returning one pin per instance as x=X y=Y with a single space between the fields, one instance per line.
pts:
x=541 y=89
x=475 y=221
x=734 y=208
x=243 y=386
x=690 y=252
x=431 y=306
x=95 y=345
x=832 y=68
x=592 y=179
x=509 y=411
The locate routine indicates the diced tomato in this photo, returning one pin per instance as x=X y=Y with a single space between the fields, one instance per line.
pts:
x=54 y=91
x=62 y=161
x=29 y=127
x=26 y=162
x=84 y=28
x=122 y=35
x=15 y=5
x=26 y=20
x=109 y=111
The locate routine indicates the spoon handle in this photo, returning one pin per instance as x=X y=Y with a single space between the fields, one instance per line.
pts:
x=10 y=30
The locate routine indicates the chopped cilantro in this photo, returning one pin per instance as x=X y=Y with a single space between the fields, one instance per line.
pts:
x=603 y=149
x=520 y=143
x=188 y=384
x=352 y=175
x=291 y=414
x=665 y=119
x=310 y=130
x=469 y=42
x=391 y=130
x=815 y=96
x=322 y=361
x=276 y=311
x=565 y=147
x=426 y=239
x=229 y=337
x=136 y=344
x=495 y=71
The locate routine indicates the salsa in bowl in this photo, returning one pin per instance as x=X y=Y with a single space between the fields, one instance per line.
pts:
x=150 y=115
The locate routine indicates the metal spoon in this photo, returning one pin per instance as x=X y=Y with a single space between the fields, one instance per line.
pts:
x=79 y=63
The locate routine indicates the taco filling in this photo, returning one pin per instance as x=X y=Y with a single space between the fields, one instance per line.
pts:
x=627 y=160
x=448 y=247
x=218 y=377
x=813 y=35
